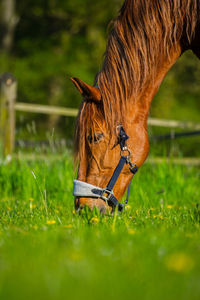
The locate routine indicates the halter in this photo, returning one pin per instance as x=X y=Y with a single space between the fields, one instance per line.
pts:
x=83 y=189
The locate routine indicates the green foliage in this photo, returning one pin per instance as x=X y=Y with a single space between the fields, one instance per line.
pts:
x=55 y=40
x=179 y=94
x=151 y=251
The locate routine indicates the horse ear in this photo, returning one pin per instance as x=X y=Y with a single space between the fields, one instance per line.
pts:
x=87 y=91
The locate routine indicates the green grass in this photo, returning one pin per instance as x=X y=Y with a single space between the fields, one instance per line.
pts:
x=151 y=251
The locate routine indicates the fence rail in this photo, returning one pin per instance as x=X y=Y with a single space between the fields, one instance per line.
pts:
x=9 y=106
x=72 y=112
x=45 y=109
x=174 y=124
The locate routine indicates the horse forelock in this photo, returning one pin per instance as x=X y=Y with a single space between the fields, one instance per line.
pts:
x=142 y=36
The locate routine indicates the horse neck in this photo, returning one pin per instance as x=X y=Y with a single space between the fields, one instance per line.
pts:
x=139 y=107
x=138 y=111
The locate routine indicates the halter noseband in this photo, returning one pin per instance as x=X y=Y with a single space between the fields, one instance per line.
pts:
x=83 y=189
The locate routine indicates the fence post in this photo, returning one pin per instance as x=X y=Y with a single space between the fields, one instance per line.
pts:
x=8 y=94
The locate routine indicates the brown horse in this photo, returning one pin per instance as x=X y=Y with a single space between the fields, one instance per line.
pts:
x=145 y=41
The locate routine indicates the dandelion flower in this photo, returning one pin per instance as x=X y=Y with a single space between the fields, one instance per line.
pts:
x=170 y=206
x=179 y=262
x=32 y=206
x=128 y=207
x=50 y=222
x=68 y=226
x=94 y=220
x=131 y=231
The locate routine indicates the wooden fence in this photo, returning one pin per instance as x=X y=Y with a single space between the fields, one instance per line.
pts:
x=9 y=106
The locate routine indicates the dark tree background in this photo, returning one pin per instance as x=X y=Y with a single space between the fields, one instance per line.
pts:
x=44 y=42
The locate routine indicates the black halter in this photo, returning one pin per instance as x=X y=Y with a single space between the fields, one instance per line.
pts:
x=84 y=189
x=107 y=194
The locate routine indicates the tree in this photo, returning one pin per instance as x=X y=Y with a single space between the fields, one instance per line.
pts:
x=8 y=24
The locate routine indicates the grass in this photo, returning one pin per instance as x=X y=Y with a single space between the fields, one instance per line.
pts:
x=151 y=251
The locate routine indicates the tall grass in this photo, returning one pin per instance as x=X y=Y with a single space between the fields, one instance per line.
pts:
x=47 y=251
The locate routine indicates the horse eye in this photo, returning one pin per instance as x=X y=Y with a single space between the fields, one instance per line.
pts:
x=93 y=139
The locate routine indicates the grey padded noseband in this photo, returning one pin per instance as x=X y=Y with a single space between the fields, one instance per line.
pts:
x=83 y=189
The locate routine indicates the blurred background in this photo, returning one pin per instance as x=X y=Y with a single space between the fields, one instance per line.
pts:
x=45 y=42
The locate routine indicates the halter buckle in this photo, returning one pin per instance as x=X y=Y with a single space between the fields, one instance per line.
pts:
x=126 y=151
x=106 y=194
x=133 y=168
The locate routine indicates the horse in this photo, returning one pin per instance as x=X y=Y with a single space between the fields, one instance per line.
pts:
x=111 y=140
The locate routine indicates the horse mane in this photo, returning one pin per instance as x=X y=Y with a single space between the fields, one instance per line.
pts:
x=142 y=36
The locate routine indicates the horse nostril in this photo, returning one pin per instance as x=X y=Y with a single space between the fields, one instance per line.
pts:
x=102 y=209
x=81 y=202
x=76 y=203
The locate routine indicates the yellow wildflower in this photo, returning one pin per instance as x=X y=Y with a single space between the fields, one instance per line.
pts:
x=31 y=199
x=50 y=222
x=32 y=206
x=170 y=206
x=159 y=217
x=128 y=207
x=68 y=226
x=94 y=220
x=131 y=231
x=179 y=262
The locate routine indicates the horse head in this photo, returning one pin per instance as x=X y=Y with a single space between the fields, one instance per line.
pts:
x=104 y=151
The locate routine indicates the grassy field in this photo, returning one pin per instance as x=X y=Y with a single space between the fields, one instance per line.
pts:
x=151 y=251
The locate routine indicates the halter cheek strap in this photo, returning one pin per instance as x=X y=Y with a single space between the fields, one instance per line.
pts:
x=83 y=189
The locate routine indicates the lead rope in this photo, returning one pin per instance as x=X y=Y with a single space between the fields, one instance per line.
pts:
x=128 y=193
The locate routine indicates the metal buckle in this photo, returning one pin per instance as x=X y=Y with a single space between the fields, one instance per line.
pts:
x=125 y=149
x=109 y=194
x=133 y=166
